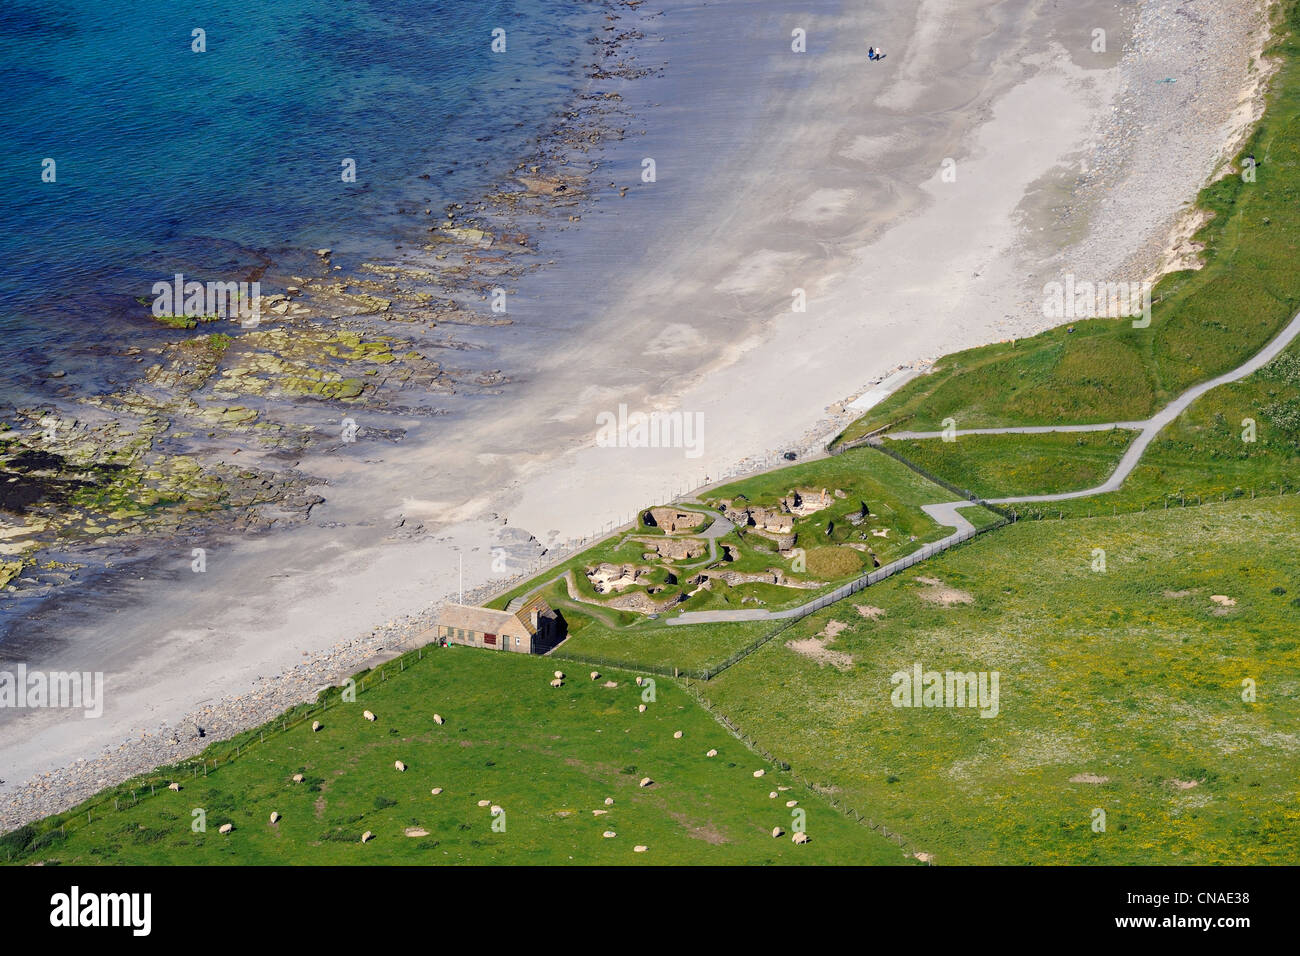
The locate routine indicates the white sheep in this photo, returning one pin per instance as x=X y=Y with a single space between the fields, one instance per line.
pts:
x=609 y=834
x=640 y=848
x=711 y=753
x=800 y=838
x=367 y=837
x=557 y=682
x=174 y=786
x=368 y=715
x=297 y=778
x=315 y=726
x=645 y=782
x=777 y=832
x=560 y=674
x=437 y=719
x=401 y=767
x=609 y=801
x=595 y=675
x=484 y=803
x=792 y=803
x=275 y=817
x=759 y=773
x=226 y=828
x=640 y=708
x=677 y=735
x=436 y=790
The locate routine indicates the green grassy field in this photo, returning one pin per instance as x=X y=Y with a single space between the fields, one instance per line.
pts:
x=1132 y=674
x=549 y=757
x=999 y=466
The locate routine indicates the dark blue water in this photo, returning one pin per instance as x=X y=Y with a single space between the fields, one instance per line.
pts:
x=219 y=162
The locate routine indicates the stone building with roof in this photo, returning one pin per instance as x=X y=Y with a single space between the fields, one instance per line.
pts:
x=526 y=626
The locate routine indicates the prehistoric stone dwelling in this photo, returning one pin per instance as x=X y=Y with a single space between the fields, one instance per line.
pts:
x=526 y=626
x=672 y=521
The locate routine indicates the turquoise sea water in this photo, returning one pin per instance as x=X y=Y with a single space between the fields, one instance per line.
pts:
x=169 y=160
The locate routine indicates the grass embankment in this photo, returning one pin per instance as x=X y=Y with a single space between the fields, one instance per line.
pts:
x=1204 y=323
x=1130 y=678
x=549 y=757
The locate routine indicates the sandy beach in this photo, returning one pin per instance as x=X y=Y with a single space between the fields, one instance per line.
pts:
x=917 y=205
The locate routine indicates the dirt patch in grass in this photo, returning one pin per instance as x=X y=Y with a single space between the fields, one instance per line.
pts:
x=817 y=649
x=416 y=832
x=936 y=592
x=1088 y=778
x=869 y=612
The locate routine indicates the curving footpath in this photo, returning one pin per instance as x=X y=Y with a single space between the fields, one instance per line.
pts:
x=948 y=513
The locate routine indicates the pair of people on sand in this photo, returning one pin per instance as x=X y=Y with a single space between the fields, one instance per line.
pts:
x=874 y=54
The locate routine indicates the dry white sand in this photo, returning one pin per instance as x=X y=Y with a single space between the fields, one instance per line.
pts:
x=833 y=186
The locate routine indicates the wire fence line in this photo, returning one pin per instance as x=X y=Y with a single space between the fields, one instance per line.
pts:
x=785 y=767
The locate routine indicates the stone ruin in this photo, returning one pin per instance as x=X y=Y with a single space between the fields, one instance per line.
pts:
x=672 y=521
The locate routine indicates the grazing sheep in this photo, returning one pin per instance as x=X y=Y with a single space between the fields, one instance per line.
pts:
x=609 y=801
x=759 y=773
x=677 y=735
x=711 y=753
x=367 y=837
x=297 y=778
x=772 y=795
x=777 y=832
x=640 y=708
x=437 y=719
x=275 y=817
x=640 y=848
x=315 y=726
x=401 y=767
x=595 y=675
x=638 y=682
x=560 y=674
x=495 y=810
x=436 y=790
x=599 y=813
x=174 y=786
x=645 y=782
x=609 y=834
x=557 y=683
x=800 y=838
x=368 y=715
x=226 y=828
x=484 y=803
x=792 y=803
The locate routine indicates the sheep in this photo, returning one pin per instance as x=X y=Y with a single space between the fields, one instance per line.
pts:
x=711 y=753
x=609 y=834
x=557 y=683
x=437 y=719
x=800 y=838
x=640 y=708
x=226 y=828
x=599 y=813
x=174 y=786
x=401 y=767
x=677 y=735
x=368 y=715
x=640 y=848
x=772 y=795
x=759 y=773
x=609 y=801
x=315 y=726
x=496 y=810
x=638 y=682
x=275 y=817
x=645 y=782
x=792 y=803
x=595 y=675
x=484 y=803
x=560 y=675
x=436 y=790
x=297 y=778
x=367 y=837
x=777 y=832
